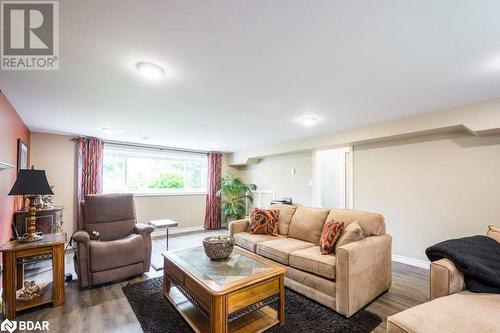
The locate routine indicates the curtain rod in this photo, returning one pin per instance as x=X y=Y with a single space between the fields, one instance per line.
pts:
x=140 y=145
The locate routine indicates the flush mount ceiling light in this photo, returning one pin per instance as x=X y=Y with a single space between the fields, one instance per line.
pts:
x=108 y=130
x=149 y=70
x=308 y=121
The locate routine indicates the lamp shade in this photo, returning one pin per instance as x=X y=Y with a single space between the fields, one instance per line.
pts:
x=31 y=182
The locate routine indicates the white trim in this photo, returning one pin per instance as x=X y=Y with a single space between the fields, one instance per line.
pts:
x=5 y=166
x=349 y=178
x=158 y=233
x=168 y=194
x=411 y=261
x=316 y=181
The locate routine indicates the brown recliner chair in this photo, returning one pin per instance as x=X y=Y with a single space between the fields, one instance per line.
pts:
x=124 y=248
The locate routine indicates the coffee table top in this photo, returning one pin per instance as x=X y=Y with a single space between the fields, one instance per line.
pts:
x=242 y=266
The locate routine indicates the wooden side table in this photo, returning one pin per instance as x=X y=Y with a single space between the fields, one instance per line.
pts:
x=15 y=254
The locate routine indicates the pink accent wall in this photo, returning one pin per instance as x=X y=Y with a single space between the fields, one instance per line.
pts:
x=11 y=128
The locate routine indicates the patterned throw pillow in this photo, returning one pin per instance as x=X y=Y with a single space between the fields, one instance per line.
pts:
x=330 y=235
x=264 y=222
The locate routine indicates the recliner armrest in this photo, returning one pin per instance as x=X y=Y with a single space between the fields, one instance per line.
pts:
x=238 y=226
x=81 y=237
x=143 y=229
x=446 y=279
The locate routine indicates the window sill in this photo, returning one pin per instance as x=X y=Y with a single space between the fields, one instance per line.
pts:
x=168 y=194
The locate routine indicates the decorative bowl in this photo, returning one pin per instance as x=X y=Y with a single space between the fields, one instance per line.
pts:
x=218 y=247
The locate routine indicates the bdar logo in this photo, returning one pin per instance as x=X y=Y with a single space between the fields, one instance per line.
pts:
x=8 y=326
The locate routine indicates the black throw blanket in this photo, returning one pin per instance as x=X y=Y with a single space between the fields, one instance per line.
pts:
x=477 y=257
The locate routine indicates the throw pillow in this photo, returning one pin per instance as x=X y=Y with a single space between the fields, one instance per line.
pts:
x=351 y=233
x=330 y=235
x=264 y=222
x=494 y=232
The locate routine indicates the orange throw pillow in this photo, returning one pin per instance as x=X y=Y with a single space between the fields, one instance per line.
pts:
x=330 y=236
x=264 y=222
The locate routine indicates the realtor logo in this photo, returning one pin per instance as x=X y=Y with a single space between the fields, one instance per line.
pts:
x=30 y=35
x=8 y=326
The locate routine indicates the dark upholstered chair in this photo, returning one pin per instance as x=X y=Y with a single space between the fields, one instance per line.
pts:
x=124 y=248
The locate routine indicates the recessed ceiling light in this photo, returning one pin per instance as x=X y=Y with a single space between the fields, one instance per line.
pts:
x=308 y=121
x=146 y=137
x=108 y=130
x=149 y=70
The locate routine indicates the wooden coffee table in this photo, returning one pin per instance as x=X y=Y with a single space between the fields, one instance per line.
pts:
x=224 y=296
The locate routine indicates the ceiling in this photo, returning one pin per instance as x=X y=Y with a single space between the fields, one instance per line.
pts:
x=241 y=73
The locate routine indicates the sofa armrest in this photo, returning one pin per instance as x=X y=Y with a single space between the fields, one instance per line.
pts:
x=141 y=229
x=363 y=272
x=81 y=237
x=81 y=259
x=145 y=231
x=446 y=279
x=238 y=226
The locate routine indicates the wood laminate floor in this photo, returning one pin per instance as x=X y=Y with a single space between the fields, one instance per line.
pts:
x=106 y=309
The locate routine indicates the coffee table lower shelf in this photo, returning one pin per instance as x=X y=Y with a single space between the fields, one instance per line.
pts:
x=256 y=321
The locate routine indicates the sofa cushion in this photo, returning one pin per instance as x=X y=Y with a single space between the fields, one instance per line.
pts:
x=280 y=249
x=111 y=215
x=371 y=223
x=307 y=224
x=286 y=213
x=264 y=221
x=351 y=233
x=461 y=312
x=249 y=241
x=311 y=260
x=118 y=253
x=494 y=232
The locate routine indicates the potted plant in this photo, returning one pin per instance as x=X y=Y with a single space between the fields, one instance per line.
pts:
x=235 y=195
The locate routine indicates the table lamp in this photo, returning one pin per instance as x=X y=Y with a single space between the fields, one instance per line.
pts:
x=31 y=183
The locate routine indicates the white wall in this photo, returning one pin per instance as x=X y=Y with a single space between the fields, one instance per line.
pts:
x=430 y=189
x=56 y=154
x=329 y=182
x=188 y=210
x=274 y=174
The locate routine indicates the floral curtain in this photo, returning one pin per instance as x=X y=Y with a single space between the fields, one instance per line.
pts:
x=212 y=210
x=89 y=171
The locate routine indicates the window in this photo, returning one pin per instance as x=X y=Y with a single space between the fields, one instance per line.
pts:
x=153 y=171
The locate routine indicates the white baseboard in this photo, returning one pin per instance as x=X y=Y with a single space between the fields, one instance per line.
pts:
x=411 y=261
x=176 y=231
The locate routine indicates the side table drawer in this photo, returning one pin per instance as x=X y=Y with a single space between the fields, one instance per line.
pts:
x=250 y=295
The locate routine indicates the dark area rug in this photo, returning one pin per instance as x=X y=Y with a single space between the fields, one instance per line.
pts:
x=301 y=314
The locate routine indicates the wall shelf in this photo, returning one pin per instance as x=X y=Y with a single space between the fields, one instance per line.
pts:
x=5 y=166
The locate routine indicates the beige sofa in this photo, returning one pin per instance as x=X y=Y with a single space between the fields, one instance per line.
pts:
x=452 y=308
x=345 y=281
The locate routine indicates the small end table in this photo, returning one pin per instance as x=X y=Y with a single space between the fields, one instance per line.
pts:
x=164 y=223
x=15 y=255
